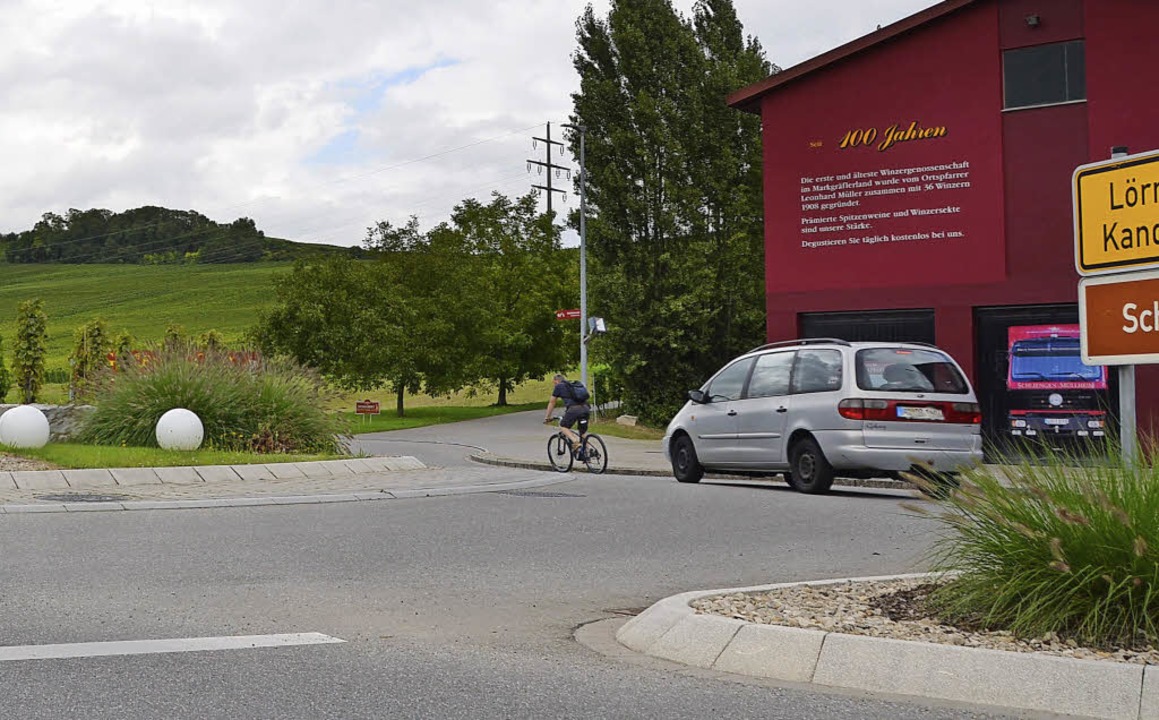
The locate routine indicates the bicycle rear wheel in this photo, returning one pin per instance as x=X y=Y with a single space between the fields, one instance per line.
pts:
x=559 y=453
x=595 y=454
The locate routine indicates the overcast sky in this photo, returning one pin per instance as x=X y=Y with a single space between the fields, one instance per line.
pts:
x=316 y=118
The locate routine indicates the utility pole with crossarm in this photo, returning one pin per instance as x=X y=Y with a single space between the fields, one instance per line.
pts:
x=549 y=167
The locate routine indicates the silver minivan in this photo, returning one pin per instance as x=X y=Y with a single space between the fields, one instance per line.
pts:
x=819 y=408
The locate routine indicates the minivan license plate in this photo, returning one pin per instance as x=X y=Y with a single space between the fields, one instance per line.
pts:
x=920 y=413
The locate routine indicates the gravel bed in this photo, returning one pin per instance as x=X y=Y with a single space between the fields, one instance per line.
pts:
x=890 y=609
x=8 y=463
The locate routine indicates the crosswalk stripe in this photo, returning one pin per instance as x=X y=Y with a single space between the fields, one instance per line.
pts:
x=174 y=645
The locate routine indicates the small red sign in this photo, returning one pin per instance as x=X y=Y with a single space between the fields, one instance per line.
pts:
x=567 y=314
x=366 y=407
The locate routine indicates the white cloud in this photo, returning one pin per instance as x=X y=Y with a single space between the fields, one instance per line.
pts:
x=306 y=116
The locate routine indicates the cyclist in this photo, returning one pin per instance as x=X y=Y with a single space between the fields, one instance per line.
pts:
x=575 y=410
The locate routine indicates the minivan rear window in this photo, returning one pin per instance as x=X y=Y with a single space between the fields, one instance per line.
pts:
x=908 y=370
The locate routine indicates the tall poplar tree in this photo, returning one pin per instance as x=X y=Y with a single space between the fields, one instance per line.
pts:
x=674 y=191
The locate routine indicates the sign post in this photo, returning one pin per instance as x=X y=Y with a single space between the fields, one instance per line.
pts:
x=366 y=408
x=1116 y=216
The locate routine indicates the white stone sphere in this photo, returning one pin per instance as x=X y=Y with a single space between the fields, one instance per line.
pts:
x=180 y=429
x=24 y=426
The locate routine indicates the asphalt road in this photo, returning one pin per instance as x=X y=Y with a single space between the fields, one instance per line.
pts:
x=452 y=607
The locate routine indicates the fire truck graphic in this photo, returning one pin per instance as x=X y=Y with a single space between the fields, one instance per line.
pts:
x=1049 y=389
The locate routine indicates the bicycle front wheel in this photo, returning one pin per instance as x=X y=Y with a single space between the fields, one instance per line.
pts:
x=595 y=454
x=559 y=453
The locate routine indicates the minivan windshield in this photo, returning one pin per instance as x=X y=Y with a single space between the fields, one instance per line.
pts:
x=908 y=370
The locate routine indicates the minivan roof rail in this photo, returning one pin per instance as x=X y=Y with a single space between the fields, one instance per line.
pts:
x=804 y=341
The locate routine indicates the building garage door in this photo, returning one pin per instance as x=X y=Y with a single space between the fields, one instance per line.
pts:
x=1034 y=389
x=871 y=325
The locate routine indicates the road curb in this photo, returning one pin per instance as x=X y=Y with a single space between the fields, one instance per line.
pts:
x=491 y=459
x=192 y=474
x=487 y=458
x=671 y=630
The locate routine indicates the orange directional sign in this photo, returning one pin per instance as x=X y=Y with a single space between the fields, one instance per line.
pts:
x=1119 y=316
x=1116 y=214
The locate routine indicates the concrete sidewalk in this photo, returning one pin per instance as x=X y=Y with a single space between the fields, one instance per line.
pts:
x=350 y=480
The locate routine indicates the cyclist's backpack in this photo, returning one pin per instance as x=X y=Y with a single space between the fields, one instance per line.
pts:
x=579 y=392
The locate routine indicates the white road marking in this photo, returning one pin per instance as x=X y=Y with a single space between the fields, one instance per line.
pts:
x=146 y=647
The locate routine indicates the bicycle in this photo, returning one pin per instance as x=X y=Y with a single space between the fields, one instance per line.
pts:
x=592 y=451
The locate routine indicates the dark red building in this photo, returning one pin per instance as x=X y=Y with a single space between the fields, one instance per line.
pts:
x=918 y=187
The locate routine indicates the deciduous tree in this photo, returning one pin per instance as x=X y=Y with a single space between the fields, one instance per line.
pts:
x=469 y=303
x=518 y=276
x=349 y=320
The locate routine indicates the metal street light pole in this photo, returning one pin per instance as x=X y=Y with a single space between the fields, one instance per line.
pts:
x=583 y=255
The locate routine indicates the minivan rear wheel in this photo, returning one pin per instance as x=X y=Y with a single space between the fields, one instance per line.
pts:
x=685 y=466
x=811 y=473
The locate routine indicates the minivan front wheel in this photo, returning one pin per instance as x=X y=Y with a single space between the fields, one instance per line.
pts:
x=811 y=472
x=685 y=466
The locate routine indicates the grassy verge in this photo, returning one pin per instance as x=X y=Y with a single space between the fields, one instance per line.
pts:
x=429 y=415
x=78 y=457
x=610 y=427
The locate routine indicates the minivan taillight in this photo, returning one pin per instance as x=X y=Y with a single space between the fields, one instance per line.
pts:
x=859 y=409
x=966 y=413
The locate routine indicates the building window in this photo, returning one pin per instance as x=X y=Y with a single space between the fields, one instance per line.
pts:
x=1045 y=74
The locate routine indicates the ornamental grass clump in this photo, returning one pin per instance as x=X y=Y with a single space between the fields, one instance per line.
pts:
x=1066 y=545
x=245 y=402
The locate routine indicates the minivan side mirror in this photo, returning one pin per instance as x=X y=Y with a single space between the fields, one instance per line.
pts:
x=698 y=396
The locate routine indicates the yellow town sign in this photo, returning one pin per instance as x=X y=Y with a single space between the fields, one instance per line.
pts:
x=1116 y=214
